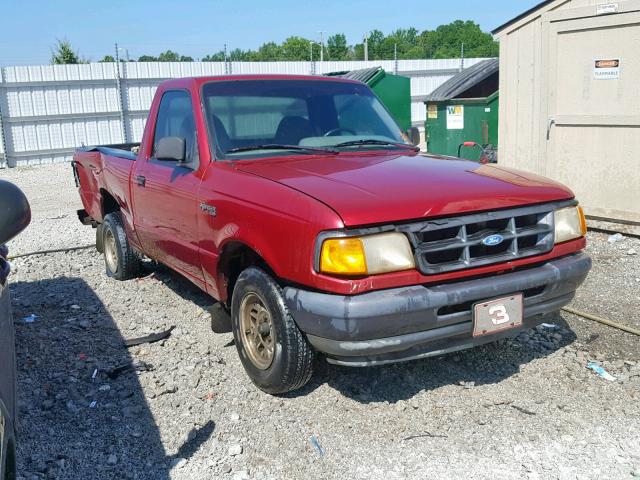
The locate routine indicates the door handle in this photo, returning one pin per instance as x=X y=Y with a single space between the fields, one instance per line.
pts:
x=140 y=180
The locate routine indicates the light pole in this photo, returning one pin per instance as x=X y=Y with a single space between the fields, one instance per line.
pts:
x=126 y=52
x=313 y=65
x=227 y=66
x=366 y=47
x=395 y=59
x=321 y=47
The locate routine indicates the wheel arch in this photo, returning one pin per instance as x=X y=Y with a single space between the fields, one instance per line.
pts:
x=108 y=203
x=236 y=256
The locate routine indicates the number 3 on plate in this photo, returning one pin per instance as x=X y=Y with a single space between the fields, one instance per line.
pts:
x=498 y=314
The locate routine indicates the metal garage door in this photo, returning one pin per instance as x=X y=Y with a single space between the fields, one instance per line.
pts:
x=591 y=134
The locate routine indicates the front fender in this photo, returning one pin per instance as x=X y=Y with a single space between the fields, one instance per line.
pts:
x=278 y=223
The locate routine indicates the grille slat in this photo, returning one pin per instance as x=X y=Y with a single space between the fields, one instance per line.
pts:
x=456 y=243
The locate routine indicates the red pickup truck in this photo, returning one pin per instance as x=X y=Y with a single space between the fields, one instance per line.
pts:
x=298 y=204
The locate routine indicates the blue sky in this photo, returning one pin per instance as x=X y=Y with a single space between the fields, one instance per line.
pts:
x=29 y=28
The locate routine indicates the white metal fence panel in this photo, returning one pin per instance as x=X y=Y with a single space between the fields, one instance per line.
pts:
x=3 y=158
x=47 y=111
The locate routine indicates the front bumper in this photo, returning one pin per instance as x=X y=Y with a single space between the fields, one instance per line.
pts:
x=418 y=321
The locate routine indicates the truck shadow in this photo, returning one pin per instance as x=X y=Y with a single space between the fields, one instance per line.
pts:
x=486 y=364
x=179 y=284
x=68 y=358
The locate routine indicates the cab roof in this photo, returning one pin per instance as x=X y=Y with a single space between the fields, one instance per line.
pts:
x=199 y=81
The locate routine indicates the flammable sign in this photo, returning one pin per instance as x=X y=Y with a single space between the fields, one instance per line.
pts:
x=606 y=69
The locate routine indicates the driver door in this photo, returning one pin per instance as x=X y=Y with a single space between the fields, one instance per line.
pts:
x=165 y=192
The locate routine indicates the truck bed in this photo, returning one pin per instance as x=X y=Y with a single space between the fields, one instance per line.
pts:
x=104 y=168
x=120 y=150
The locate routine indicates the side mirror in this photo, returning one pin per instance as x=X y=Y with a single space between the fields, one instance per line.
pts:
x=171 y=149
x=414 y=135
x=15 y=212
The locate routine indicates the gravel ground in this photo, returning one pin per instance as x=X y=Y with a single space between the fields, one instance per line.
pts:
x=183 y=408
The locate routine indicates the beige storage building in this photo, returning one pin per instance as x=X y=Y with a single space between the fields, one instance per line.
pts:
x=570 y=101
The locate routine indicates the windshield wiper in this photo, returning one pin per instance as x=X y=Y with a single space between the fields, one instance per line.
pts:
x=276 y=146
x=354 y=143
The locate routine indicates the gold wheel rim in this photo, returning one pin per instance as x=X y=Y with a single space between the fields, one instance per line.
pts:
x=110 y=251
x=256 y=331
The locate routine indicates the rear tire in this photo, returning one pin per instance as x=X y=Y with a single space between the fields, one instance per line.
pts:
x=121 y=261
x=274 y=352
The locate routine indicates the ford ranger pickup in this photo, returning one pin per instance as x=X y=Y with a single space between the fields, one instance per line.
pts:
x=299 y=205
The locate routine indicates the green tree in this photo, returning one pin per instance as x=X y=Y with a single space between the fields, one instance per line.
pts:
x=169 y=56
x=443 y=42
x=269 y=51
x=147 y=58
x=295 y=48
x=214 y=57
x=108 y=58
x=63 y=54
x=426 y=44
x=357 y=52
x=238 y=55
x=337 y=48
x=404 y=40
x=447 y=40
x=375 y=41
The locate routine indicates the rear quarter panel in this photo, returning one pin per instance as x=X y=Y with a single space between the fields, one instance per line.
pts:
x=100 y=173
x=115 y=179
x=87 y=165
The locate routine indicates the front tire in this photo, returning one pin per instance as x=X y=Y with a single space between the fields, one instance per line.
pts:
x=121 y=261
x=274 y=352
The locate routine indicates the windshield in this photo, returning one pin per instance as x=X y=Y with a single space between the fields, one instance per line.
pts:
x=260 y=118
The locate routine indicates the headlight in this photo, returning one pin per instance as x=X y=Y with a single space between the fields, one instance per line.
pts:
x=569 y=224
x=367 y=255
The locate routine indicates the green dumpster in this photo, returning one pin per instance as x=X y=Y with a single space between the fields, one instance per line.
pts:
x=465 y=109
x=393 y=90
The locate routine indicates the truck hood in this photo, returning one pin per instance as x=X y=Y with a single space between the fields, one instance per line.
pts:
x=374 y=189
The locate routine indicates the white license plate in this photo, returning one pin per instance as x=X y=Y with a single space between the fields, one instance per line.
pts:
x=491 y=316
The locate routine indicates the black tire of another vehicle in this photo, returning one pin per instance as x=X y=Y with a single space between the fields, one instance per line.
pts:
x=122 y=262
x=292 y=361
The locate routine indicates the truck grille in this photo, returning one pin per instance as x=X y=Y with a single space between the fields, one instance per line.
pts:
x=457 y=243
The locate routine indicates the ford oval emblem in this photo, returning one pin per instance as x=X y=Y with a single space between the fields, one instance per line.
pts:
x=492 y=240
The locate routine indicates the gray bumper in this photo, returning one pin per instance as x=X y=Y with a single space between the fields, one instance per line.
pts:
x=413 y=322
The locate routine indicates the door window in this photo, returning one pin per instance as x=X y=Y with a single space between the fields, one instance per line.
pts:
x=175 y=119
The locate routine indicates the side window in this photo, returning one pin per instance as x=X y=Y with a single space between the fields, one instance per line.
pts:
x=175 y=119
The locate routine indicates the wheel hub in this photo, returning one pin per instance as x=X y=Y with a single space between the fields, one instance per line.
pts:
x=257 y=331
x=110 y=250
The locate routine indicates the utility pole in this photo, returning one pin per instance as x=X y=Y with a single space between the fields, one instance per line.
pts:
x=395 y=59
x=313 y=65
x=120 y=97
x=462 y=57
x=126 y=52
x=321 y=47
x=226 y=61
x=366 y=47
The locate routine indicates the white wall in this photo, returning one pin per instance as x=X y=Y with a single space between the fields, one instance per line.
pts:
x=46 y=111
